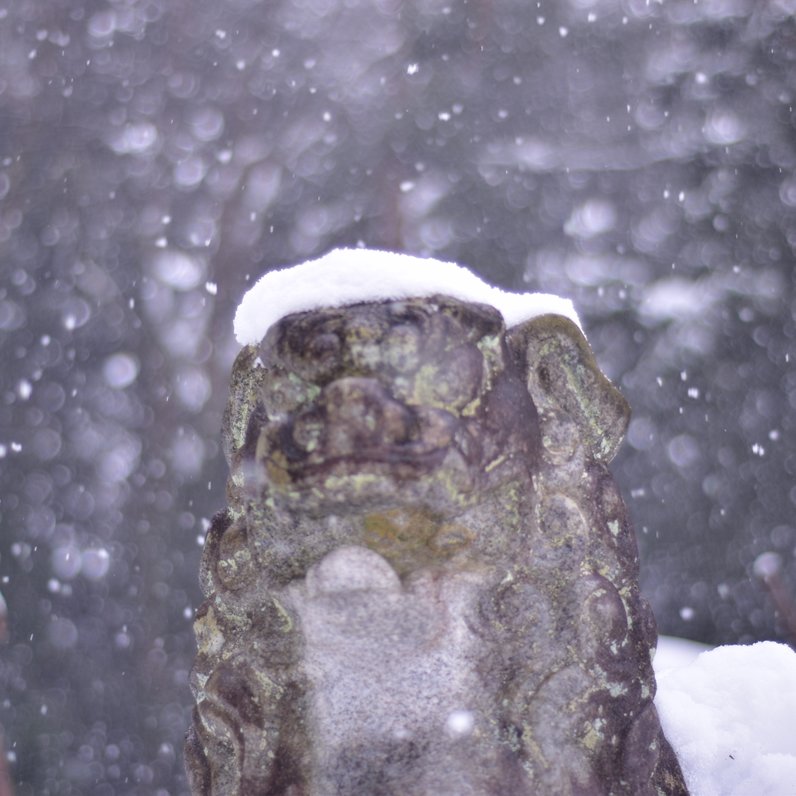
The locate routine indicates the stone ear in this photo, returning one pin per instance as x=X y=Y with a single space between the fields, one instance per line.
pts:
x=246 y=385
x=564 y=378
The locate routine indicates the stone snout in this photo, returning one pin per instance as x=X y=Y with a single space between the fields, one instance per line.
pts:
x=395 y=703
x=356 y=423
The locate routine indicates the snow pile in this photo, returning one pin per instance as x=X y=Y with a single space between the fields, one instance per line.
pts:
x=730 y=716
x=351 y=276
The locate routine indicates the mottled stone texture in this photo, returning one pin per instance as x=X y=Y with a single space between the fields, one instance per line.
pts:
x=425 y=582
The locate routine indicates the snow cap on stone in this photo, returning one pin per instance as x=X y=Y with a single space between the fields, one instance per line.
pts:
x=352 y=276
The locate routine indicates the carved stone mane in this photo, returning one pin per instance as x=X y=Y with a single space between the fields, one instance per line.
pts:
x=425 y=581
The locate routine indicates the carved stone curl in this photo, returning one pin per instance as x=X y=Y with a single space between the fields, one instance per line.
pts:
x=425 y=581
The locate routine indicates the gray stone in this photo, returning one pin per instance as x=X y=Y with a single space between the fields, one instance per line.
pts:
x=425 y=581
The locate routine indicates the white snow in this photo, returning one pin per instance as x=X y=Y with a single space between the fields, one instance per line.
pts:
x=674 y=653
x=460 y=722
x=350 y=276
x=730 y=716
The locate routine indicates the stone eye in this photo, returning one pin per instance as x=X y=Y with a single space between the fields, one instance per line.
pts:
x=324 y=350
x=324 y=345
x=312 y=347
x=544 y=376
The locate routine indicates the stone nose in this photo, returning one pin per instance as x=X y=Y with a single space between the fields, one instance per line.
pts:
x=362 y=415
x=358 y=417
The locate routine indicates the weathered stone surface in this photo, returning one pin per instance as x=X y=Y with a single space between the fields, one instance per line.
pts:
x=425 y=581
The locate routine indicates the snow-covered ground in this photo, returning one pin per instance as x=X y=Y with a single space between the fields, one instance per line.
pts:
x=730 y=715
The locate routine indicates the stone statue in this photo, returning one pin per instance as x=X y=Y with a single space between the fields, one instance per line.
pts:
x=425 y=582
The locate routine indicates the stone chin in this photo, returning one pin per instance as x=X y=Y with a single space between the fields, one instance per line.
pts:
x=352 y=487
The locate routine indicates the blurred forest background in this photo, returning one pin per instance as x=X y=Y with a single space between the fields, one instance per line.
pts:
x=156 y=157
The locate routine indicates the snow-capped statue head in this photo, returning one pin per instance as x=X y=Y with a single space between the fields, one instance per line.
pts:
x=385 y=371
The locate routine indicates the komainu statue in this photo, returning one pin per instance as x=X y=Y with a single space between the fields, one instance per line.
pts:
x=425 y=582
